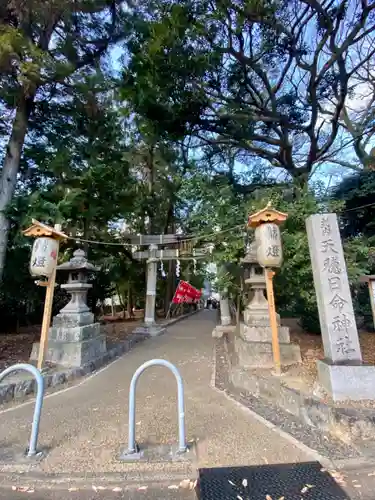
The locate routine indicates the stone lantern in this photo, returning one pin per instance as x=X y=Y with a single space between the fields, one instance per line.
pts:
x=257 y=308
x=78 y=268
x=253 y=345
x=74 y=339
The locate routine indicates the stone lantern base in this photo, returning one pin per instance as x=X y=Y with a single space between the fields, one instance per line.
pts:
x=74 y=340
x=260 y=354
x=253 y=345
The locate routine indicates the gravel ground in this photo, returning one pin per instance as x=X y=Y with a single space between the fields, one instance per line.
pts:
x=323 y=444
x=305 y=374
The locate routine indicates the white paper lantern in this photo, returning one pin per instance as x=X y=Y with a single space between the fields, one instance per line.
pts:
x=44 y=256
x=269 y=248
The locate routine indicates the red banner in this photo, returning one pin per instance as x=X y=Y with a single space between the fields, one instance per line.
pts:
x=186 y=293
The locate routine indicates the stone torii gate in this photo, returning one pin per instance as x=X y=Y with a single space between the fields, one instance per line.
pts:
x=153 y=255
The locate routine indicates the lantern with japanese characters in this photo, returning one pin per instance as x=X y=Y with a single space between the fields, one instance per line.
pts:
x=44 y=256
x=269 y=249
x=269 y=255
x=266 y=223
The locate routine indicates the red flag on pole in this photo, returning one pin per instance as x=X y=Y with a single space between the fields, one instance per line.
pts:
x=185 y=293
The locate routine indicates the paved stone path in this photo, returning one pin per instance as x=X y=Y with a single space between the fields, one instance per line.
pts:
x=85 y=427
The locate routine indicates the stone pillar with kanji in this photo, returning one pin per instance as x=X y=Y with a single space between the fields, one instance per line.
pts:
x=342 y=373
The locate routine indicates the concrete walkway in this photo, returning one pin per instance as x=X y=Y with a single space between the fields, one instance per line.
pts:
x=85 y=427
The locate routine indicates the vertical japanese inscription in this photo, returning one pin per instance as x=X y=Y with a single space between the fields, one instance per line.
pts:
x=274 y=249
x=332 y=267
x=269 y=250
x=337 y=319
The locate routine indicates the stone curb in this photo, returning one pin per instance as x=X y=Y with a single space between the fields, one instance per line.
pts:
x=351 y=425
x=330 y=448
x=105 y=484
x=20 y=390
x=172 y=321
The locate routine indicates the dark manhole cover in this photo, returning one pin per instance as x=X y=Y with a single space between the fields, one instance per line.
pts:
x=289 y=481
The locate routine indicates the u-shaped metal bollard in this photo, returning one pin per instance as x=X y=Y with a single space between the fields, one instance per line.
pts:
x=32 y=451
x=180 y=397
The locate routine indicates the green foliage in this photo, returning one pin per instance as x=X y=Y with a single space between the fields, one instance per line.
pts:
x=227 y=75
x=41 y=48
x=83 y=163
x=357 y=194
x=360 y=261
x=207 y=106
x=294 y=287
x=295 y=292
x=21 y=301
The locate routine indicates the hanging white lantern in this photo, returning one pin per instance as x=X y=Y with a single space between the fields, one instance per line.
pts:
x=269 y=247
x=44 y=256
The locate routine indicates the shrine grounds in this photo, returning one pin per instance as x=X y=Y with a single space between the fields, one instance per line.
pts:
x=84 y=429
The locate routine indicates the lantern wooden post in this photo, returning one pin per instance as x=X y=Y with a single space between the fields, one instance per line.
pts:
x=269 y=255
x=37 y=230
x=273 y=321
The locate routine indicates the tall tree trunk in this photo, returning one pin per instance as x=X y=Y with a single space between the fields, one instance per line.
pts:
x=132 y=302
x=10 y=170
x=238 y=311
x=151 y=173
x=129 y=302
x=122 y=303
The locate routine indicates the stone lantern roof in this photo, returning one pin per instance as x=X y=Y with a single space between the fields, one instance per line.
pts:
x=77 y=263
x=251 y=254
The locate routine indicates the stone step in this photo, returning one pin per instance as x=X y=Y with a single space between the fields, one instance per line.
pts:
x=157 y=465
x=115 y=493
x=145 y=483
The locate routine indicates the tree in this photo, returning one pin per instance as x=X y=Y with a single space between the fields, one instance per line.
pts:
x=80 y=151
x=357 y=118
x=212 y=207
x=258 y=76
x=74 y=171
x=356 y=193
x=42 y=47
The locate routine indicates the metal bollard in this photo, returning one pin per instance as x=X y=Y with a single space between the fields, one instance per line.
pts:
x=32 y=451
x=180 y=397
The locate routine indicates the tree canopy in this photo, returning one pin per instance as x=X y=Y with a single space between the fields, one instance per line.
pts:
x=271 y=79
x=178 y=116
x=44 y=50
